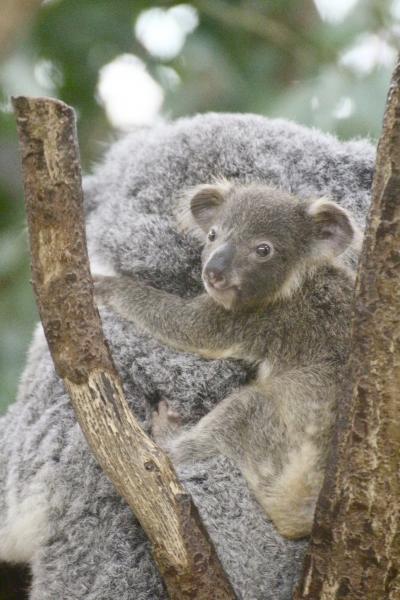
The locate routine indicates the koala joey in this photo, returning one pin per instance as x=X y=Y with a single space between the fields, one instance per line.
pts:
x=279 y=296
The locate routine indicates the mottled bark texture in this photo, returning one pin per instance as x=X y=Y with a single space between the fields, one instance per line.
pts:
x=140 y=471
x=355 y=546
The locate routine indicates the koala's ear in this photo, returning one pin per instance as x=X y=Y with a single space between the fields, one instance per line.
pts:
x=205 y=205
x=333 y=227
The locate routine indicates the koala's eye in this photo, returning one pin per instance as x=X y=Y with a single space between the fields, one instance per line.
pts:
x=263 y=250
x=212 y=234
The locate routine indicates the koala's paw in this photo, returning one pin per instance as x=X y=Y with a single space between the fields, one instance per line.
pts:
x=110 y=289
x=165 y=423
x=104 y=286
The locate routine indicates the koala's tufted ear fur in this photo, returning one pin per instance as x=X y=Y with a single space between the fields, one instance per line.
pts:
x=197 y=207
x=333 y=227
x=205 y=204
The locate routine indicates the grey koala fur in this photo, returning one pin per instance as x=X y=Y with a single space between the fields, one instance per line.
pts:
x=57 y=510
x=278 y=297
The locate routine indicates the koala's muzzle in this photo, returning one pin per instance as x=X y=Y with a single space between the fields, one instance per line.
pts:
x=216 y=270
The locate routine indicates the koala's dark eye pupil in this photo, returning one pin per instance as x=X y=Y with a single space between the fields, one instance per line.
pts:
x=263 y=250
x=212 y=235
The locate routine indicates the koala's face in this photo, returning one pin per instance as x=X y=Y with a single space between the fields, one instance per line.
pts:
x=260 y=242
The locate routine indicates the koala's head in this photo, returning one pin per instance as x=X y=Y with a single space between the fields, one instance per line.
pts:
x=260 y=242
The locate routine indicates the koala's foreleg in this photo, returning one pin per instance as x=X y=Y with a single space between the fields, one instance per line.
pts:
x=195 y=325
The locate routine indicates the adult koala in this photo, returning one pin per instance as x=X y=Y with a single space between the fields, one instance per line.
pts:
x=58 y=511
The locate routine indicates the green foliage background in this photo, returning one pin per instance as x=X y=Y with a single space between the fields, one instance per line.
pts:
x=274 y=57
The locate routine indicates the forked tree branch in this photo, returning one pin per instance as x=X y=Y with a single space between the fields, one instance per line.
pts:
x=140 y=471
x=355 y=547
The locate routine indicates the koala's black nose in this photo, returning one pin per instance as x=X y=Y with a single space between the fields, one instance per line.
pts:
x=217 y=268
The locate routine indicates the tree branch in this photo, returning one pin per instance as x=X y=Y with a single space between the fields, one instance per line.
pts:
x=14 y=15
x=140 y=471
x=295 y=42
x=355 y=546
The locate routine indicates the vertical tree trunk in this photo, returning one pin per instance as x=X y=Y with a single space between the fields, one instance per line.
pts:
x=140 y=471
x=355 y=545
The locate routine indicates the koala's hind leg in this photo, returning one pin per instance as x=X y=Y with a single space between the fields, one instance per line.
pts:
x=221 y=431
x=289 y=495
x=247 y=427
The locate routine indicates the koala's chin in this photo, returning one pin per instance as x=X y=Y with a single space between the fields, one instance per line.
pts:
x=228 y=297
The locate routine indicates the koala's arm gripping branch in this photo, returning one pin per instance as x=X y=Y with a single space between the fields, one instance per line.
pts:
x=140 y=471
x=355 y=546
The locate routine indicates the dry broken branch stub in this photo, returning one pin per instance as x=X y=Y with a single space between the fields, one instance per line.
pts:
x=355 y=546
x=140 y=471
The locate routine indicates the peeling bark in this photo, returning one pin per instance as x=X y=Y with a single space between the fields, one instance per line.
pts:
x=355 y=546
x=140 y=471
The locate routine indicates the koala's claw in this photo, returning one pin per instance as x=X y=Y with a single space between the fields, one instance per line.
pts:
x=103 y=286
x=165 y=422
